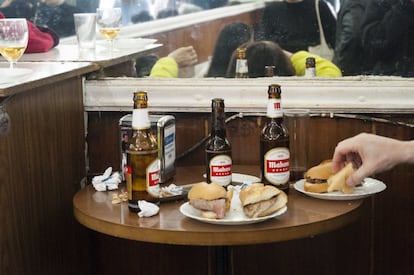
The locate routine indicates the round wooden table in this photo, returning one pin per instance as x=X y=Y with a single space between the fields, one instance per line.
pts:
x=305 y=216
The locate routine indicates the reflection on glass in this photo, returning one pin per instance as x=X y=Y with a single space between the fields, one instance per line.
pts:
x=109 y=23
x=13 y=39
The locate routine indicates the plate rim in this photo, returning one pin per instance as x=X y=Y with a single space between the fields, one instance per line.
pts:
x=229 y=222
x=298 y=185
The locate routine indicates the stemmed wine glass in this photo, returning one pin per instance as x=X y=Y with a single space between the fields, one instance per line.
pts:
x=109 y=23
x=13 y=38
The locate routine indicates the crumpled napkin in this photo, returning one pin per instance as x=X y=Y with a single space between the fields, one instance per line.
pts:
x=171 y=190
x=107 y=181
x=148 y=209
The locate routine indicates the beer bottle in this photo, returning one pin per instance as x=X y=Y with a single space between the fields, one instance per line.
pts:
x=310 y=67
x=218 y=149
x=274 y=143
x=142 y=171
x=242 y=70
x=269 y=71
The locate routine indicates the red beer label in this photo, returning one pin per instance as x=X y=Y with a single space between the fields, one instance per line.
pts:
x=277 y=166
x=221 y=170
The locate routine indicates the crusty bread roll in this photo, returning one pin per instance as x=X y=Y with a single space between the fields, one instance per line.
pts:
x=211 y=198
x=259 y=200
x=207 y=191
x=317 y=176
x=337 y=182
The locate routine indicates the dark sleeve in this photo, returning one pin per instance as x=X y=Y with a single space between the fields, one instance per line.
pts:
x=385 y=23
x=273 y=28
x=328 y=21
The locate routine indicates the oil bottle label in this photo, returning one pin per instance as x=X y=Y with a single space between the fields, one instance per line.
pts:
x=153 y=178
x=220 y=169
x=277 y=165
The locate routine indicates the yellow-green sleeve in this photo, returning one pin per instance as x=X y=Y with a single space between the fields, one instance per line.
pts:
x=165 y=67
x=324 y=67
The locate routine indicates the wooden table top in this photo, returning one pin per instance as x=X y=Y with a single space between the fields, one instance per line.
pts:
x=305 y=216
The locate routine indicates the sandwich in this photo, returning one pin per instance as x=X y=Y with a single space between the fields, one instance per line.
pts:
x=337 y=182
x=259 y=200
x=321 y=179
x=211 y=198
x=316 y=178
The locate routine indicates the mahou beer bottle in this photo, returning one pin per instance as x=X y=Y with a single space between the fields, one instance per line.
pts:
x=310 y=70
x=274 y=143
x=218 y=149
x=142 y=171
x=242 y=70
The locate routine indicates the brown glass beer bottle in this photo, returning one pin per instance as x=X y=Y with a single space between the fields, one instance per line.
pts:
x=142 y=171
x=274 y=143
x=310 y=70
x=242 y=70
x=218 y=149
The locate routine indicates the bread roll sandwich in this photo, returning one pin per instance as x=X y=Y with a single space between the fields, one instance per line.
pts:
x=337 y=182
x=321 y=179
x=316 y=178
x=211 y=198
x=259 y=200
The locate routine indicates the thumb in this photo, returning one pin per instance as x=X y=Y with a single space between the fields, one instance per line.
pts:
x=356 y=177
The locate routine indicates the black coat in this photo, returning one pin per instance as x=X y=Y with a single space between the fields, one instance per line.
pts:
x=294 y=25
x=388 y=33
x=349 y=55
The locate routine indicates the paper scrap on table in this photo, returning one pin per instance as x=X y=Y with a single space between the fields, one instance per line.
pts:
x=107 y=181
x=148 y=209
x=171 y=190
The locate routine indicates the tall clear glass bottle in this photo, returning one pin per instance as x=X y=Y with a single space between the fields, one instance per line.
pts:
x=218 y=159
x=142 y=171
x=274 y=143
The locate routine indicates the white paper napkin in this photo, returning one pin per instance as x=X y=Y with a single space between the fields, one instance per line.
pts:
x=148 y=209
x=107 y=181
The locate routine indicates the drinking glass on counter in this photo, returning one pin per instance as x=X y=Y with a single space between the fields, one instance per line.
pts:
x=13 y=39
x=297 y=121
x=109 y=23
x=85 y=27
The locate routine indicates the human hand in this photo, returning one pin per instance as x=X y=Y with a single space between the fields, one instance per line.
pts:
x=368 y=154
x=184 y=56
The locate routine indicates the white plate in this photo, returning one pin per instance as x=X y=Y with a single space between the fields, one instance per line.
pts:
x=368 y=188
x=128 y=43
x=242 y=178
x=11 y=75
x=235 y=216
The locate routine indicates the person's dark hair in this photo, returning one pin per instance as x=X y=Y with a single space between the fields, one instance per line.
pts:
x=144 y=64
x=230 y=37
x=167 y=13
x=143 y=16
x=260 y=54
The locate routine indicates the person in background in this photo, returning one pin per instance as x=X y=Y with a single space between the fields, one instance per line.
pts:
x=370 y=154
x=229 y=39
x=56 y=15
x=18 y=9
x=293 y=24
x=132 y=7
x=179 y=63
x=40 y=39
x=388 y=33
x=267 y=53
x=349 y=54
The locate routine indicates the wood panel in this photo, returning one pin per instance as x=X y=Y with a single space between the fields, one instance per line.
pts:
x=42 y=163
x=380 y=243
